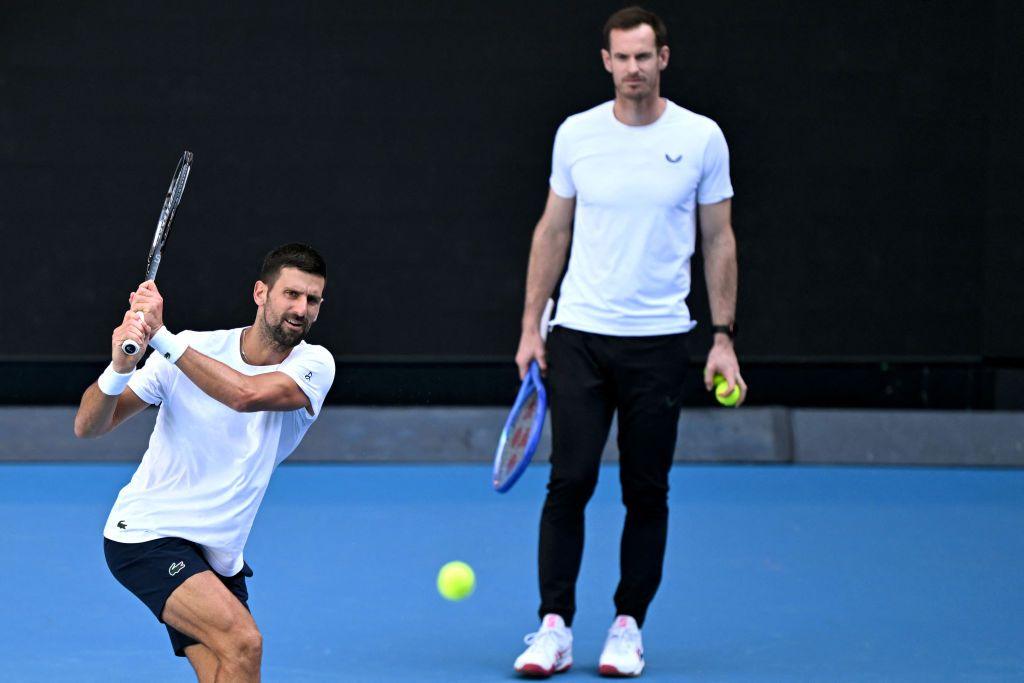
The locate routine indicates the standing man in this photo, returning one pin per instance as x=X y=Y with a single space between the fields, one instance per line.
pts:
x=629 y=179
x=233 y=405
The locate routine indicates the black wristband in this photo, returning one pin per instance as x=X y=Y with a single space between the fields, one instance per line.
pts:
x=729 y=330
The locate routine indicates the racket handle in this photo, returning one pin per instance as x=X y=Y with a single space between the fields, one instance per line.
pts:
x=129 y=346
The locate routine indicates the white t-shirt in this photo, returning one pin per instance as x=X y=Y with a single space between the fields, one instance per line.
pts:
x=207 y=466
x=636 y=190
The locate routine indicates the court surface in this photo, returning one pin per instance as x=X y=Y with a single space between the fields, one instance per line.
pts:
x=778 y=573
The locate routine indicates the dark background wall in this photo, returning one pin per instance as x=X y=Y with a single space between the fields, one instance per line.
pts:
x=875 y=148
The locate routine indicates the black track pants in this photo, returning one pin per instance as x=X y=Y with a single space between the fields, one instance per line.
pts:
x=590 y=376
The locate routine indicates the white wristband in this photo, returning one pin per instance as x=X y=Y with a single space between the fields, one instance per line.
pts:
x=168 y=344
x=111 y=382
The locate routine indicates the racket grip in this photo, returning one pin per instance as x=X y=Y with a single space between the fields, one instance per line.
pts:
x=129 y=346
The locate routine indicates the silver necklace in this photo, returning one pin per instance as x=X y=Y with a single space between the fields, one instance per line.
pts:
x=241 y=345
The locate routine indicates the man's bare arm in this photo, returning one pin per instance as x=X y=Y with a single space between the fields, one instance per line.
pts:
x=548 y=251
x=720 y=274
x=98 y=413
x=238 y=391
x=720 y=271
x=244 y=393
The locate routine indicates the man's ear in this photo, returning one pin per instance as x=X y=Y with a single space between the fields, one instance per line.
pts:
x=259 y=293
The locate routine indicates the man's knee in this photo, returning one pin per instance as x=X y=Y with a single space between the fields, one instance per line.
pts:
x=248 y=642
x=646 y=500
x=252 y=641
x=241 y=647
x=571 y=488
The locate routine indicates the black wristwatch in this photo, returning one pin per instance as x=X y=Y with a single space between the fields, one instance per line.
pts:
x=729 y=330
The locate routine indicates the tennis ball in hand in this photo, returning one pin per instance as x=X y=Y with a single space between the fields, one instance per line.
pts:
x=456 y=581
x=725 y=399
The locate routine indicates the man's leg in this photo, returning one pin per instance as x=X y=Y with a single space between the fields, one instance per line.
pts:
x=203 y=661
x=649 y=375
x=204 y=609
x=581 y=403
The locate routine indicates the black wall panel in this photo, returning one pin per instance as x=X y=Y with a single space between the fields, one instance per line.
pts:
x=875 y=146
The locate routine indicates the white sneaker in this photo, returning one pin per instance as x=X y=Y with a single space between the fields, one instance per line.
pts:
x=549 y=651
x=623 y=653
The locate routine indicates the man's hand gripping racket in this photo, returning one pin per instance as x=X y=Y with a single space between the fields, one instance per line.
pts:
x=163 y=228
x=521 y=434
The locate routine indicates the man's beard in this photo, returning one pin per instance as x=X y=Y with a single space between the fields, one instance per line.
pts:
x=282 y=335
x=640 y=93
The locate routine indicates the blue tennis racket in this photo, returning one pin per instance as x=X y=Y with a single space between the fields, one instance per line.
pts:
x=522 y=431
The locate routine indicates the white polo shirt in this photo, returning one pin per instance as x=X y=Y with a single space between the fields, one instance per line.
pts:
x=636 y=190
x=207 y=466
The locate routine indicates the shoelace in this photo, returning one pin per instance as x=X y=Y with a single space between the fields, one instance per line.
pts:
x=623 y=640
x=544 y=639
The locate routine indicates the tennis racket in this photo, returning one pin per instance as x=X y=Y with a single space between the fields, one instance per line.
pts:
x=521 y=434
x=163 y=227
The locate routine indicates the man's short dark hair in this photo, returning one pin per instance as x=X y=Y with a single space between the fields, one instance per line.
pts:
x=631 y=17
x=294 y=255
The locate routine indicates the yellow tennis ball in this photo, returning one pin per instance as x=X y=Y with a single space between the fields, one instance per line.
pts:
x=456 y=581
x=718 y=379
x=727 y=399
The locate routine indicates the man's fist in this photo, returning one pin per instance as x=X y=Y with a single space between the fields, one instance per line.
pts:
x=136 y=329
x=147 y=300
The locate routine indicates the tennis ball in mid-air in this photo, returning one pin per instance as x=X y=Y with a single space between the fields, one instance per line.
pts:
x=456 y=581
x=726 y=399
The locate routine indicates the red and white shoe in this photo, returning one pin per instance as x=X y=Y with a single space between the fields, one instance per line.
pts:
x=623 y=653
x=549 y=651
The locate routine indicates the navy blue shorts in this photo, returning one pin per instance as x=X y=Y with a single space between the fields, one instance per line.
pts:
x=152 y=570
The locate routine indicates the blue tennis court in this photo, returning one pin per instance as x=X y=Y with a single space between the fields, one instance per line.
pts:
x=773 y=574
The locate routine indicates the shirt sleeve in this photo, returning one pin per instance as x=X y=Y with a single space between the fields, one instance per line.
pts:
x=561 y=168
x=715 y=184
x=313 y=371
x=151 y=382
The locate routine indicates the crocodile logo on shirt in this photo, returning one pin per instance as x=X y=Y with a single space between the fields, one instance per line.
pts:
x=175 y=568
x=673 y=160
x=122 y=525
